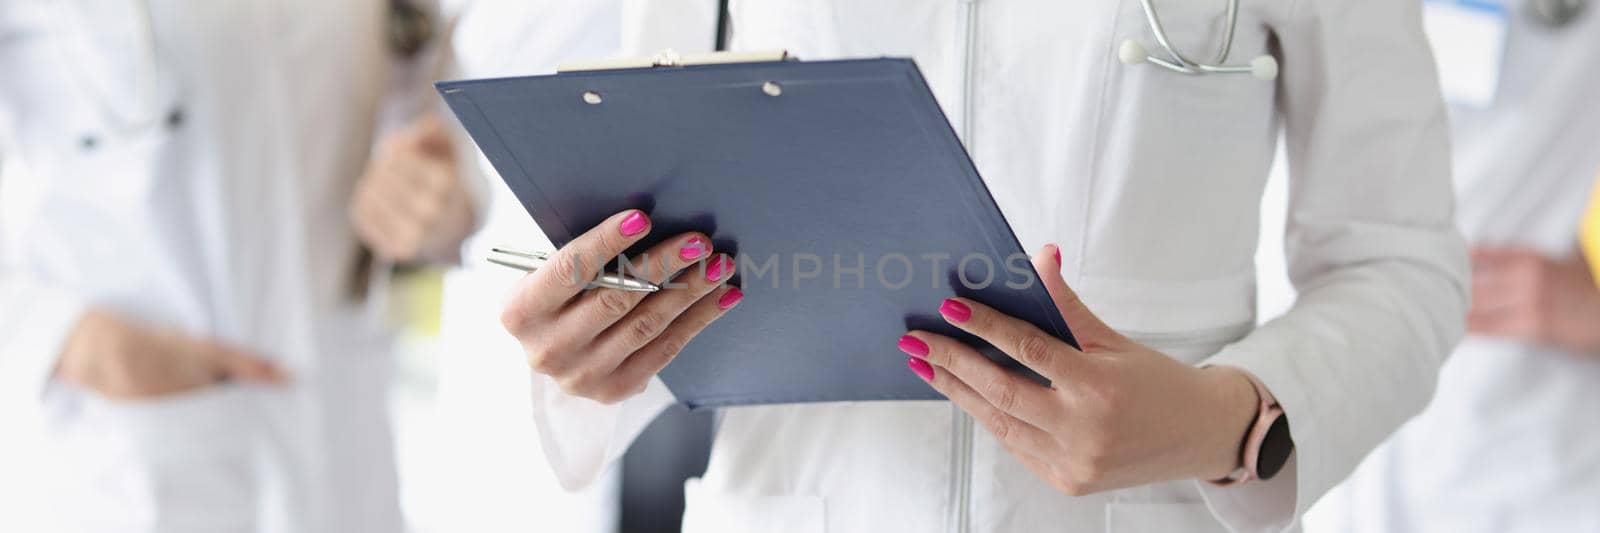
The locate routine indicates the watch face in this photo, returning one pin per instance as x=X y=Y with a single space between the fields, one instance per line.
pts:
x=1275 y=449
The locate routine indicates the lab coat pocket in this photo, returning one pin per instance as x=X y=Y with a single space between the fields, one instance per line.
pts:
x=1161 y=517
x=1224 y=116
x=175 y=464
x=1193 y=345
x=706 y=511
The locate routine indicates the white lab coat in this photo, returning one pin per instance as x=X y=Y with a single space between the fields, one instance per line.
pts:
x=496 y=479
x=227 y=223
x=1150 y=181
x=1510 y=441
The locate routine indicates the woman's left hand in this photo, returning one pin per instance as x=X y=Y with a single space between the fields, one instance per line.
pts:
x=1118 y=413
x=411 y=205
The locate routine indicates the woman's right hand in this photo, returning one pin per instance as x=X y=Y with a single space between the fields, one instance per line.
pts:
x=126 y=361
x=606 y=344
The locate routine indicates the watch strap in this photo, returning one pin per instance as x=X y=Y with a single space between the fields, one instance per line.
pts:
x=1268 y=414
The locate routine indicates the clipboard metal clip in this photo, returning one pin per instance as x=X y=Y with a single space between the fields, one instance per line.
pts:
x=671 y=58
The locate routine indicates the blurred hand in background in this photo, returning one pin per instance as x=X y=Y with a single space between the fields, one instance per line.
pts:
x=126 y=361
x=410 y=205
x=1520 y=294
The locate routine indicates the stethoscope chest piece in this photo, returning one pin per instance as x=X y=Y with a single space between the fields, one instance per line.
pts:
x=1556 y=13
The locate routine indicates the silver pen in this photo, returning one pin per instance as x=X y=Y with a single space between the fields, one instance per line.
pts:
x=531 y=261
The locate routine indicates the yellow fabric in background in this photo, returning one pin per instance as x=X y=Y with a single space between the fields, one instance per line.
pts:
x=1590 y=234
x=418 y=298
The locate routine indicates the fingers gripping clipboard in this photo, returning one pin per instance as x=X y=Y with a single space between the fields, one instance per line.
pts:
x=849 y=202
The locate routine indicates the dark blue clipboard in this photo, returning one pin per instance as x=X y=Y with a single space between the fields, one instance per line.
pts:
x=852 y=163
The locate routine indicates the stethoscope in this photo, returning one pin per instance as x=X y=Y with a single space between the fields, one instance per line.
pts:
x=1551 y=13
x=153 y=102
x=155 y=105
x=1263 y=67
x=1556 y=13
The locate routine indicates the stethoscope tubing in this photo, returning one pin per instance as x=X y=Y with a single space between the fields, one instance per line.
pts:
x=1264 y=67
x=147 y=113
x=1178 y=60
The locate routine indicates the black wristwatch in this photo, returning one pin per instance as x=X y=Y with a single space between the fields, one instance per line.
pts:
x=1268 y=445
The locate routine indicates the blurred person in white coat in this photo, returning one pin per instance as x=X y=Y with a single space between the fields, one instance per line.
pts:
x=192 y=184
x=503 y=484
x=1149 y=181
x=1511 y=441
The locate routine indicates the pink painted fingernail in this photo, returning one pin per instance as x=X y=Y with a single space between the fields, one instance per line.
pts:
x=634 y=224
x=955 y=311
x=692 y=249
x=718 y=267
x=921 y=368
x=730 y=298
x=1058 y=253
x=913 y=346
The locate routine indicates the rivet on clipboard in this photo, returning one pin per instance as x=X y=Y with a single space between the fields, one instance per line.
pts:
x=772 y=88
x=592 y=98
